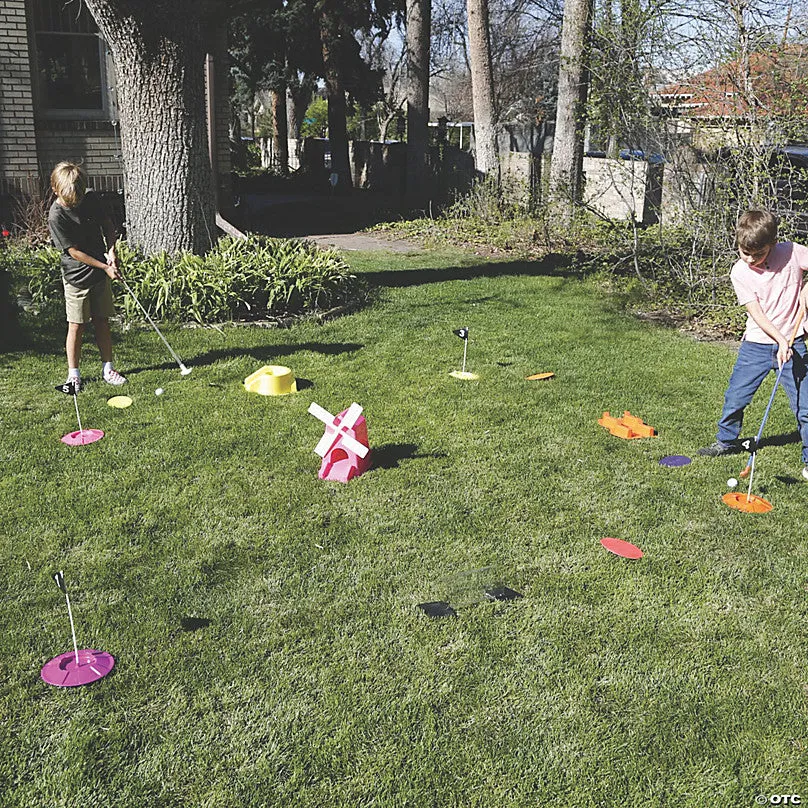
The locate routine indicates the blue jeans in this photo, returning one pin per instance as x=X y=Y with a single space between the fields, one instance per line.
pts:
x=753 y=364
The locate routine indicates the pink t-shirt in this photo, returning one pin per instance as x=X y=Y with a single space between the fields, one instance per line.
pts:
x=776 y=286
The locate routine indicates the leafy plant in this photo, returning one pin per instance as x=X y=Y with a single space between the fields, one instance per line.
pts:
x=237 y=279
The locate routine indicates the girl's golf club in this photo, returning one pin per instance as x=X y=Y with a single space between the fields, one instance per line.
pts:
x=183 y=370
x=750 y=465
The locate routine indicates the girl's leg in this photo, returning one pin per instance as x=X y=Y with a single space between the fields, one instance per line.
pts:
x=103 y=338
x=75 y=332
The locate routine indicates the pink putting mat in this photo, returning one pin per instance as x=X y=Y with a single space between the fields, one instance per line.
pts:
x=622 y=548
x=63 y=671
x=83 y=437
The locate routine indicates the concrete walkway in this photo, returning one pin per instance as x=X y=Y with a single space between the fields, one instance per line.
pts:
x=365 y=242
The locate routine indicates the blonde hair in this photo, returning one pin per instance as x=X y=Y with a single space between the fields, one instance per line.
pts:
x=756 y=230
x=69 y=183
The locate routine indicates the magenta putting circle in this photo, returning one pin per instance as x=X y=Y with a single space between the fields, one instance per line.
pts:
x=64 y=671
x=82 y=437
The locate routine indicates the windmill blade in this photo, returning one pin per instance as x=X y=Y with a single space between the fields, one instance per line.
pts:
x=351 y=417
x=330 y=437
x=320 y=412
x=354 y=445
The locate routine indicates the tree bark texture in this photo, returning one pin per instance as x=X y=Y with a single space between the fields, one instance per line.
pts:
x=159 y=51
x=566 y=166
x=482 y=89
x=419 y=15
x=330 y=33
x=280 y=130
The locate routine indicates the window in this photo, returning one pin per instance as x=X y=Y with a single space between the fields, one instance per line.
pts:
x=71 y=60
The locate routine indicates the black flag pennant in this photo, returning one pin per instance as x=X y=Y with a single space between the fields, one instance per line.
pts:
x=750 y=444
x=68 y=388
x=59 y=577
x=463 y=333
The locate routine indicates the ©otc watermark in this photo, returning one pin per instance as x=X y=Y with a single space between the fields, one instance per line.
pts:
x=778 y=799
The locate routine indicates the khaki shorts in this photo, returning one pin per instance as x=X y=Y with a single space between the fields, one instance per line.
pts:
x=82 y=305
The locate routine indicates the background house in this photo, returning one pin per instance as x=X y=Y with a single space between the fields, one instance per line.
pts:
x=57 y=100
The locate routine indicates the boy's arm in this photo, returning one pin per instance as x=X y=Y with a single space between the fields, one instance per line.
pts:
x=111 y=269
x=783 y=349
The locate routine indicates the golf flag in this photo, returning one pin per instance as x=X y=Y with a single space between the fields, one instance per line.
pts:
x=59 y=577
x=463 y=333
x=68 y=388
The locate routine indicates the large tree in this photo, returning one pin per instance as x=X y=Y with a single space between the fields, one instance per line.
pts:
x=568 y=144
x=418 y=33
x=482 y=89
x=159 y=49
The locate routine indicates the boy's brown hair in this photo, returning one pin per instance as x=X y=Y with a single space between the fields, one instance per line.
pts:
x=756 y=230
x=69 y=183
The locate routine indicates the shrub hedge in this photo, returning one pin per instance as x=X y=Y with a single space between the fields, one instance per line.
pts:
x=237 y=280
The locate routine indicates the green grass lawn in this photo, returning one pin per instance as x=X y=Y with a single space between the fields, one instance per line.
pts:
x=676 y=680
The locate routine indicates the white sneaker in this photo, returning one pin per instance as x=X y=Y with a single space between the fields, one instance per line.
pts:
x=113 y=377
x=805 y=473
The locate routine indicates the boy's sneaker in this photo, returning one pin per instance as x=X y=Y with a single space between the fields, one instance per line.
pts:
x=717 y=449
x=805 y=473
x=113 y=377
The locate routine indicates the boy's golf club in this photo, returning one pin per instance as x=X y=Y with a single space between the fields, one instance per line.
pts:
x=183 y=370
x=750 y=465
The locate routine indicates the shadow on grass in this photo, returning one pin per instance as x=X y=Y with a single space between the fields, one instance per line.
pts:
x=389 y=455
x=781 y=440
x=264 y=354
x=553 y=265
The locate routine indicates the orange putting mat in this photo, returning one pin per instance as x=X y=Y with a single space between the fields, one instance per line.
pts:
x=754 y=504
x=627 y=427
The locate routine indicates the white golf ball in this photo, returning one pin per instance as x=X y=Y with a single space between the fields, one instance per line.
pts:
x=732 y=482
x=158 y=391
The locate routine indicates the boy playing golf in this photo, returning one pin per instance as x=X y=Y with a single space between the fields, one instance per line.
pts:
x=768 y=282
x=78 y=226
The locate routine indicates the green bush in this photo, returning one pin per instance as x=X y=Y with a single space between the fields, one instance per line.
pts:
x=238 y=279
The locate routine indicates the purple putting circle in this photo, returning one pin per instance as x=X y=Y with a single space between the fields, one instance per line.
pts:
x=674 y=460
x=63 y=671
x=83 y=437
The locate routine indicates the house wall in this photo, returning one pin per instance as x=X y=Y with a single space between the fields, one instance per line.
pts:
x=95 y=144
x=18 y=157
x=623 y=189
x=31 y=144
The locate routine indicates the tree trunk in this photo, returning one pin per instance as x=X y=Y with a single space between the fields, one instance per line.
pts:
x=482 y=89
x=159 y=53
x=337 y=107
x=419 y=13
x=280 y=130
x=566 y=166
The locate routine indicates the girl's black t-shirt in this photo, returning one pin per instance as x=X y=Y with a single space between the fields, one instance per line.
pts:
x=79 y=227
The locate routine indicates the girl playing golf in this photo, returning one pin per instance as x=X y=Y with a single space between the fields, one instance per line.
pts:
x=78 y=227
x=768 y=282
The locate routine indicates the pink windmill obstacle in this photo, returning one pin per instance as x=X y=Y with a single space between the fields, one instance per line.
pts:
x=344 y=446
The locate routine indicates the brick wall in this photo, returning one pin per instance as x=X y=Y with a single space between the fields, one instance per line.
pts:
x=95 y=144
x=18 y=163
